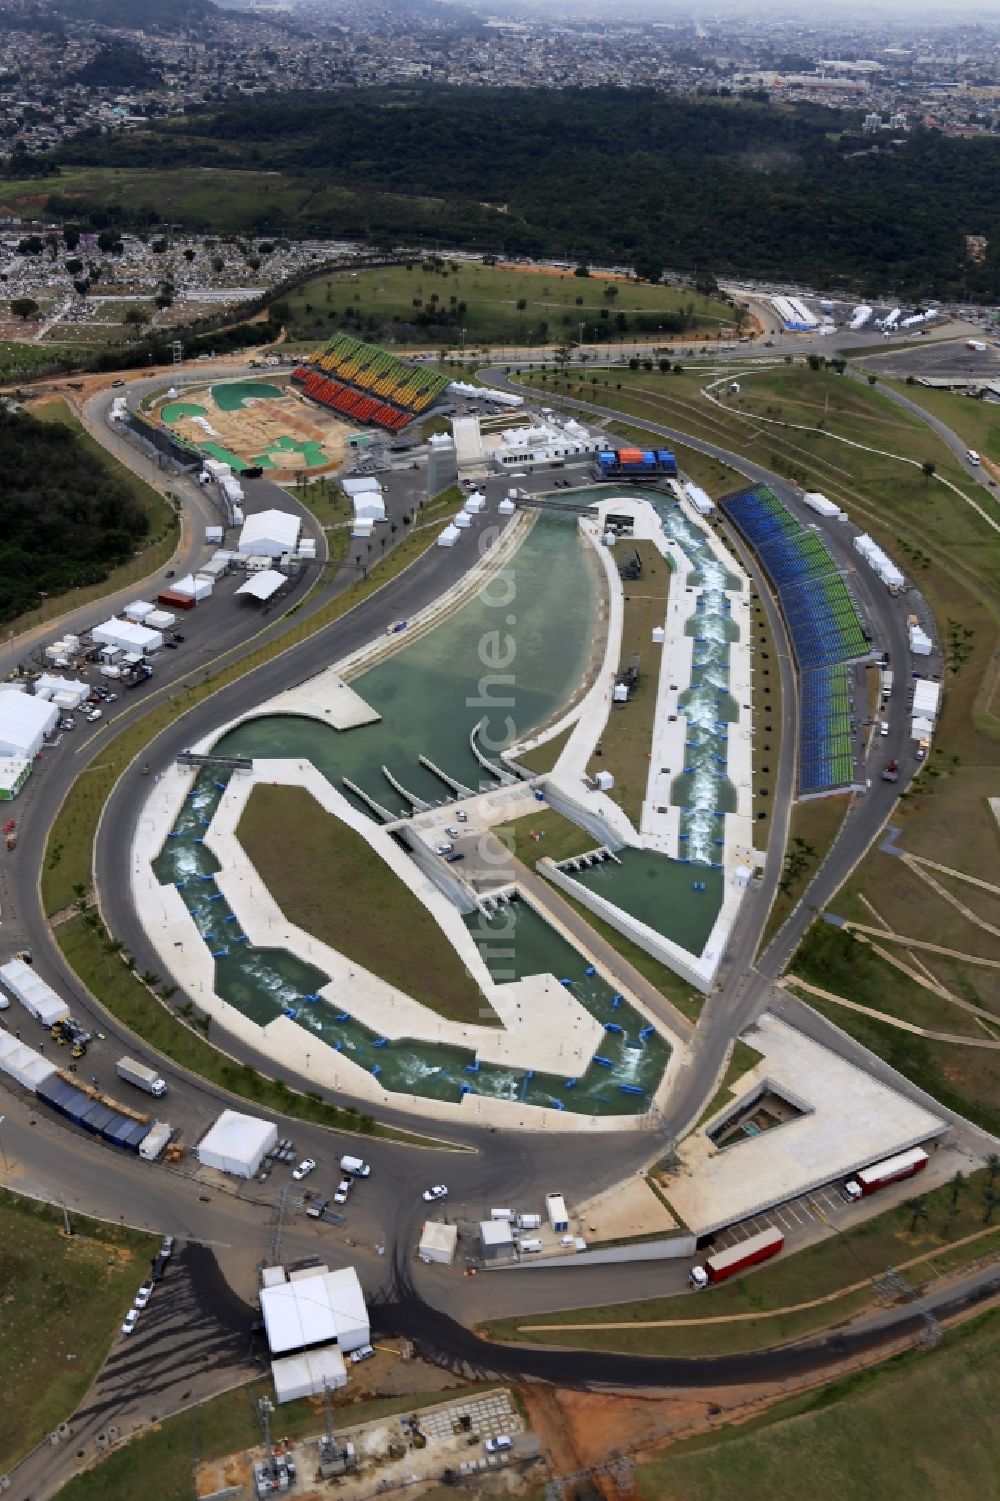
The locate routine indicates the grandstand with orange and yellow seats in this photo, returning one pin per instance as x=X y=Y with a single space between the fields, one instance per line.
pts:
x=367 y=384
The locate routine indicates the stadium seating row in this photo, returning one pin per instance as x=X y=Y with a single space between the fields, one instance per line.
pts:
x=354 y=404
x=379 y=373
x=826 y=757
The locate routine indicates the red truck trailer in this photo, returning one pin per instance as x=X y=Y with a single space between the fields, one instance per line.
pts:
x=880 y=1174
x=727 y=1263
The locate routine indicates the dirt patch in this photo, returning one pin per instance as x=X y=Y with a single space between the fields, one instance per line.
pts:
x=627 y=1209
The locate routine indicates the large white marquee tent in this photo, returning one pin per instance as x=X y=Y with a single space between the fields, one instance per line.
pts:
x=268 y=534
x=24 y=722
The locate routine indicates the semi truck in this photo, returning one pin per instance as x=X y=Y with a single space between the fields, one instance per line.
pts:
x=141 y=1076
x=881 y=1174
x=727 y=1263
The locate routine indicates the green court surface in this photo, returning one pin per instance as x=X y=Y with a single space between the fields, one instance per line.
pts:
x=235 y=394
x=313 y=452
x=177 y=409
x=226 y=456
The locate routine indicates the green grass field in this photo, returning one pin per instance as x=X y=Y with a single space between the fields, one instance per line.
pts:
x=327 y=879
x=920 y=1426
x=24 y=361
x=63 y=1301
x=833 y=1266
x=628 y=734
x=558 y=837
x=160 y=1463
x=484 y=301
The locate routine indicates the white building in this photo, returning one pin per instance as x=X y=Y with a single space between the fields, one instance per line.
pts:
x=126 y=636
x=438 y=1242
x=24 y=723
x=237 y=1144
x=313 y=1318
x=546 y=442
x=365 y=493
x=270 y=533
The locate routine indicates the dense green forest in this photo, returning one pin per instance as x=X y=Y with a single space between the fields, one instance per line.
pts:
x=693 y=184
x=64 y=520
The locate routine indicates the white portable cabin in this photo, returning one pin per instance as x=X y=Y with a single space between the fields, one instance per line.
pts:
x=160 y=620
x=823 y=506
x=192 y=587
x=438 y=1242
x=138 y=611
x=926 y=697
x=475 y=503
x=449 y=536
x=65 y=693
x=555 y=1208
x=463 y=520
x=214 y=534
x=507 y=507
x=921 y=644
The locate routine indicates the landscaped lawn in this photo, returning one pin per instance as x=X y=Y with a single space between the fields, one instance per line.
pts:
x=328 y=880
x=484 y=301
x=63 y=1301
x=921 y=1426
x=628 y=735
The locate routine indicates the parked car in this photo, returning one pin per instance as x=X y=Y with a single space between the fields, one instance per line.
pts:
x=363 y=1352
x=343 y=1190
x=462 y=816
x=453 y=833
x=170 y=645
x=144 y=1294
x=167 y=1249
x=499 y=1444
x=444 y=849
x=883 y=728
x=94 y=714
x=131 y=1319
x=304 y=1168
x=437 y=1192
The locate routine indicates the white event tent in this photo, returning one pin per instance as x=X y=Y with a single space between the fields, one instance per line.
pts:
x=24 y=722
x=237 y=1143
x=270 y=533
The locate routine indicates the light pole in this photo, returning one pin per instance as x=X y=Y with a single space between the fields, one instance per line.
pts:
x=582 y=327
x=463 y=345
x=3 y=1152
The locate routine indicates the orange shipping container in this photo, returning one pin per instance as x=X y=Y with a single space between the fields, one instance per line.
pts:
x=630 y=455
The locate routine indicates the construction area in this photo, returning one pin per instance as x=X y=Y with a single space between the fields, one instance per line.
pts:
x=452 y=1443
x=256 y=423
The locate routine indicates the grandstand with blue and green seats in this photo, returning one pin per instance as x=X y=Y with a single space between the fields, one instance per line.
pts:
x=826 y=757
x=368 y=384
x=823 y=624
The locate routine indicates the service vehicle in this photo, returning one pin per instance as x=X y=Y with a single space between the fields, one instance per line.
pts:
x=883 y=727
x=462 y=816
x=891 y=1170
x=131 y=1319
x=143 y=1296
x=167 y=1249
x=95 y=714
x=499 y=1444
x=315 y=1209
x=738 y=1258
x=141 y=1076
x=444 y=849
x=355 y=1166
x=363 y=1352
x=343 y=1190
x=437 y=1192
x=303 y=1170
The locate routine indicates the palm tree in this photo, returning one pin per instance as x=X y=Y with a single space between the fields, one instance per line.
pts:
x=957 y=1184
x=992 y=1166
x=990 y=1201
x=918 y=1212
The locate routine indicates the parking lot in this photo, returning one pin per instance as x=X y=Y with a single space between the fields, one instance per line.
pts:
x=821 y=1210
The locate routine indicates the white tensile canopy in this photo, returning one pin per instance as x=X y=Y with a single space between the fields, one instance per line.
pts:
x=263 y=585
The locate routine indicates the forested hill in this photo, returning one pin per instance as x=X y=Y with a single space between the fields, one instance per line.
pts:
x=64 y=521
x=742 y=188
